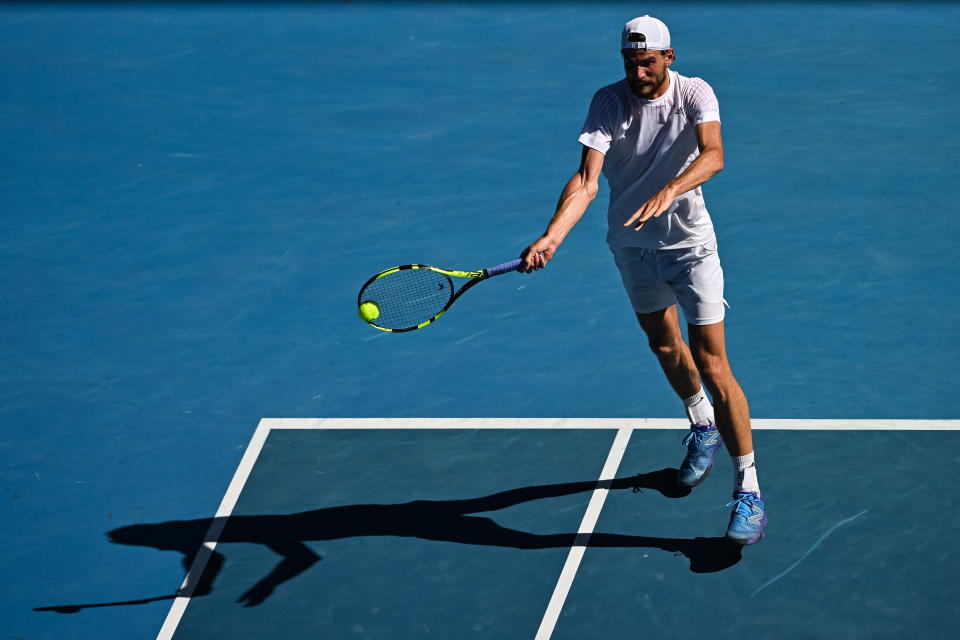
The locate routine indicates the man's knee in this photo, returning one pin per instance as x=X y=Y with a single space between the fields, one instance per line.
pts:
x=716 y=375
x=665 y=347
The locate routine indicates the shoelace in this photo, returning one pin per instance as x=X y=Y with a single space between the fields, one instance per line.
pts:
x=694 y=436
x=744 y=500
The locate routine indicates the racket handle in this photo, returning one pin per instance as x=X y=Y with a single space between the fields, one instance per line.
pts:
x=502 y=268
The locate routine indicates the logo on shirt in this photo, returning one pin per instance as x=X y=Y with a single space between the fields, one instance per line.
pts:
x=679 y=111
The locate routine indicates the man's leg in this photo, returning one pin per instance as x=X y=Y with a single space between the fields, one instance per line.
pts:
x=703 y=441
x=666 y=341
x=708 y=347
x=730 y=407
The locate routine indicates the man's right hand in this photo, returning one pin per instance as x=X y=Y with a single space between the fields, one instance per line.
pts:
x=538 y=254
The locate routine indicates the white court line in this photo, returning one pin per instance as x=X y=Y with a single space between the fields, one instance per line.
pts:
x=624 y=427
x=213 y=534
x=587 y=525
x=796 y=424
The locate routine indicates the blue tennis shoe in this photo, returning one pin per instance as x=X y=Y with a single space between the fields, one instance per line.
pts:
x=747 y=519
x=701 y=443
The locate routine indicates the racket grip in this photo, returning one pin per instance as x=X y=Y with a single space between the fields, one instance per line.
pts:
x=502 y=268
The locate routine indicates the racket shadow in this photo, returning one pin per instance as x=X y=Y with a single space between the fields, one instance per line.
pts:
x=440 y=520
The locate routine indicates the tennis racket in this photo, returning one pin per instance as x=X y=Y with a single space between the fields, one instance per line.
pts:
x=414 y=295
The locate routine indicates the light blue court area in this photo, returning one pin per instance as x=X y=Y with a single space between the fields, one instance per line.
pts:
x=517 y=529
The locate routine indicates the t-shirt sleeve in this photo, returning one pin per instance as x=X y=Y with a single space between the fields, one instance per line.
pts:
x=700 y=102
x=597 y=132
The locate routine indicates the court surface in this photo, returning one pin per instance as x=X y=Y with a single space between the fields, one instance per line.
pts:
x=192 y=194
x=479 y=528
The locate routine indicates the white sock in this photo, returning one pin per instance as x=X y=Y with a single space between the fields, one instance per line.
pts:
x=699 y=409
x=746 y=473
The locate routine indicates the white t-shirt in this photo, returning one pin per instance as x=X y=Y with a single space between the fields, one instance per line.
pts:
x=646 y=144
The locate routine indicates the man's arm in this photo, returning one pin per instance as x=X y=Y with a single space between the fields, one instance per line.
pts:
x=576 y=197
x=707 y=164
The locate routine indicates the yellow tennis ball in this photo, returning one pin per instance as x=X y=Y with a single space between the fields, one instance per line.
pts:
x=369 y=310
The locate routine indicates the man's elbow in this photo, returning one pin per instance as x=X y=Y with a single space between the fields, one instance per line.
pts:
x=718 y=161
x=591 y=188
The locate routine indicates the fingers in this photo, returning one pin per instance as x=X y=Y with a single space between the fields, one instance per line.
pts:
x=635 y=219
x=533 y=260
x=652 y=208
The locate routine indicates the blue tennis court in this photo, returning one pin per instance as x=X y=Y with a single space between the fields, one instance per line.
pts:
x=192 y=195
x=479 y=527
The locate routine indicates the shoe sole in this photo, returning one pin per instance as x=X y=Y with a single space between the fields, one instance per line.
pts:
x=749 y=541
x=699 y=480
x=744 y=543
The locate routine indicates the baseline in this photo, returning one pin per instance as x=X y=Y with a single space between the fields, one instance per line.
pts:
x=602 y=423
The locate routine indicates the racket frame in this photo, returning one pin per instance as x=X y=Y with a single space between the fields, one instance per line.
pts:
x=474 y=276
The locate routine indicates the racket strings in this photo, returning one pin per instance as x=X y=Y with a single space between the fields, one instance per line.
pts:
x=408 y=297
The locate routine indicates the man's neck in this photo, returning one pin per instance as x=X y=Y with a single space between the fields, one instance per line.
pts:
x=662 y=89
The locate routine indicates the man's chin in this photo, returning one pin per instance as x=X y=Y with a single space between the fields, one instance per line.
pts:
x=642 y=90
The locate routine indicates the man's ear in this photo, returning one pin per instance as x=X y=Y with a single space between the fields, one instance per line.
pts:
x=668 y=56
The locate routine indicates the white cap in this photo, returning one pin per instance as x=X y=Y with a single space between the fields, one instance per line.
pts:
x=645 y=33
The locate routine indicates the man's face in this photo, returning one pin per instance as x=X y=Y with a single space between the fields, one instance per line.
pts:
x=646 y=70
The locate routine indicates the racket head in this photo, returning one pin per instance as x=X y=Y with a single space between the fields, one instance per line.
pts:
x=410 y=296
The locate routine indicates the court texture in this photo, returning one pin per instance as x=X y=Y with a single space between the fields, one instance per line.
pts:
x=200 y=439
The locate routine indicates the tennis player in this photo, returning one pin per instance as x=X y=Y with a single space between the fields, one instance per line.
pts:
x=655 y=136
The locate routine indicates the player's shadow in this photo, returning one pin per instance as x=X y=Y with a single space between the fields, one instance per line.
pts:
x=444 y=520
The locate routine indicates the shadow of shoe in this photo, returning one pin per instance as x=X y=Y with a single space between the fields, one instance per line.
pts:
x=664 y=481
x=709 y=555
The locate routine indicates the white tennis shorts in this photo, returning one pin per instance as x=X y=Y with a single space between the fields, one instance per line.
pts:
x=691 y=277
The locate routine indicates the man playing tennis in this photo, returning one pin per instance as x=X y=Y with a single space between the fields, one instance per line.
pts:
x=655 y=135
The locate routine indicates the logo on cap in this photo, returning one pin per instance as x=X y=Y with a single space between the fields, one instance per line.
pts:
x=636 y=37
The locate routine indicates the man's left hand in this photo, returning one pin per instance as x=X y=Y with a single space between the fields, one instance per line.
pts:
x=652 y=208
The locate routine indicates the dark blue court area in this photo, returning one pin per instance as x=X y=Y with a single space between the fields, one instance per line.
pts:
x=465 y=532
x=192 y=194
